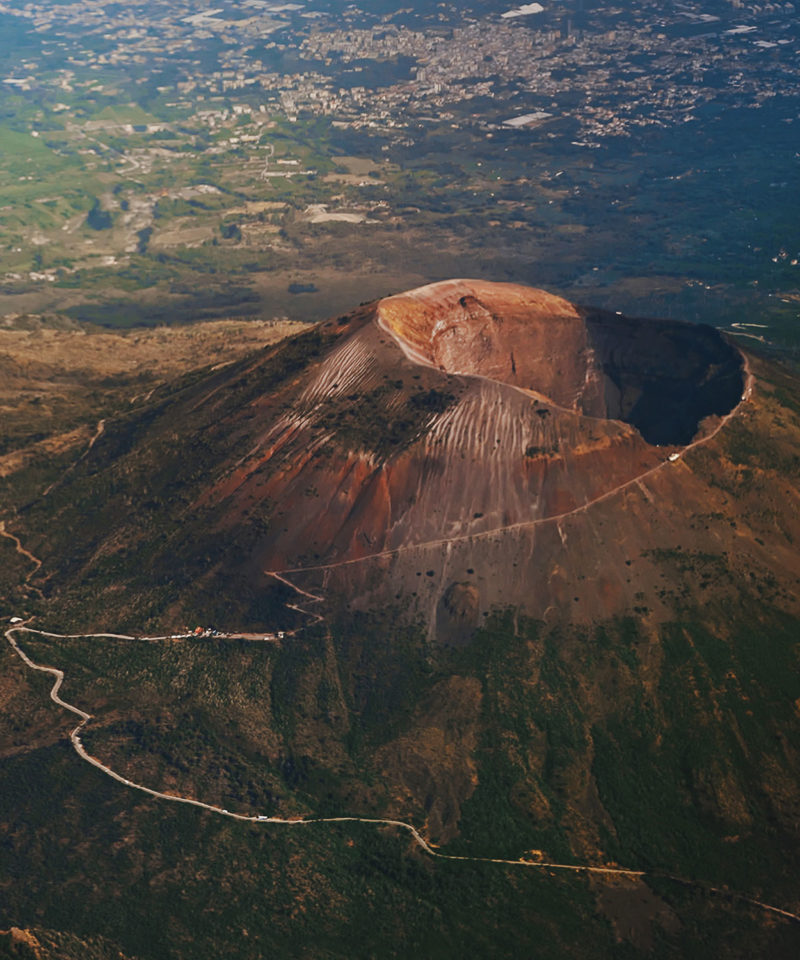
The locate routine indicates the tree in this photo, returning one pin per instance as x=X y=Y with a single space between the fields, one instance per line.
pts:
x=98 y=219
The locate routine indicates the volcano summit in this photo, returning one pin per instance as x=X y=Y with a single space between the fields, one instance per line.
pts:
x=662 y=377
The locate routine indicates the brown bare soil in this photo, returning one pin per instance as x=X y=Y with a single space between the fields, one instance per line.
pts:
x=58 y=378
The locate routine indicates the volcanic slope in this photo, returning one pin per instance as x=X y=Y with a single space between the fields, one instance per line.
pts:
x=465 y=426
x=537 y=632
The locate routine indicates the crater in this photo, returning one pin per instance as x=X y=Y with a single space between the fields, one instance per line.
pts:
x=661 y=376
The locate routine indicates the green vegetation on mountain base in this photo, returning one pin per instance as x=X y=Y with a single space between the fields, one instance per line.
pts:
x=198 y=887
x=203 y=717
x=657 y=777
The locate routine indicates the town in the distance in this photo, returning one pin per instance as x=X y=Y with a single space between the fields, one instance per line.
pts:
x=263 y=148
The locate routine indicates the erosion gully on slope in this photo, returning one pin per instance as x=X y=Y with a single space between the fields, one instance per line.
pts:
x=526 y=524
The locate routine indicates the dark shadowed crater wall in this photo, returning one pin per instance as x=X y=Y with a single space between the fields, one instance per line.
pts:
x=662 y=376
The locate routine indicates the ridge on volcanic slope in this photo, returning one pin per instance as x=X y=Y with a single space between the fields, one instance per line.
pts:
x=350 y=441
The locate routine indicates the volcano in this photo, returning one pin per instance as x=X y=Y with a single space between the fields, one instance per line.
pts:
x=455 y=447
x=519 y=572
x=661 y=377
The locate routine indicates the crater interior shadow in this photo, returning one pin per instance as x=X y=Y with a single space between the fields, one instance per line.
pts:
x=664 y=376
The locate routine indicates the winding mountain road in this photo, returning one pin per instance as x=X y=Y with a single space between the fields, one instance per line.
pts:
x=313 y=598
x=75 y=738
x=37 y=563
